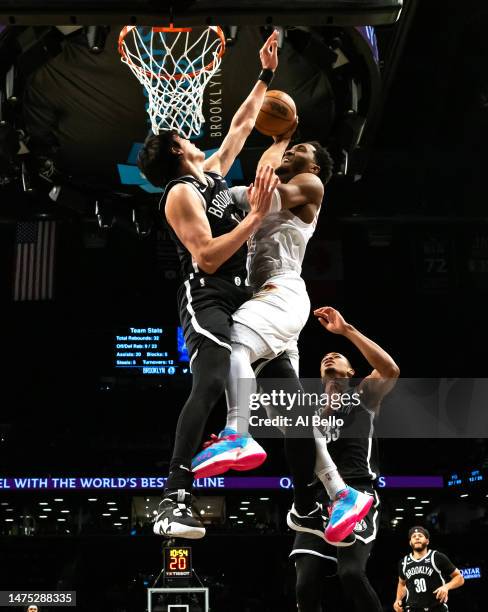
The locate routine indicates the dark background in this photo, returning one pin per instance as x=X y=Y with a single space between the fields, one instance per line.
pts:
x=412 y=236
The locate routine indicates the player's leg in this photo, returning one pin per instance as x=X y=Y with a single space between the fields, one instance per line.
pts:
x=210 y=370
x=325 y=468
x=352 y=562
x=299 y=451
x=263 y=327
x=238 y=411
x=349 y=505
x=310 y=580
x=234 y=448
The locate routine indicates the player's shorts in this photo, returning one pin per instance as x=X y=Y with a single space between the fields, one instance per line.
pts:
x=365 y=532
x=206 y=305
x=277 y=313
x=438 y=608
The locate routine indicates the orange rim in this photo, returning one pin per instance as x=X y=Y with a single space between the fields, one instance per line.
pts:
x=127 y=29
x=171 y=28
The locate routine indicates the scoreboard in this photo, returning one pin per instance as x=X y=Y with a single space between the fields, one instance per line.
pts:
x=177 y=562
x=466 y=478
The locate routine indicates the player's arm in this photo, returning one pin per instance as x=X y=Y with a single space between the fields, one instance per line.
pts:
x=400 y=594
x=446 y=567
x=385 y=371
x=186 y=216
x=457 y=580
x=243 y=121
x=302 y=189
x=274 y=154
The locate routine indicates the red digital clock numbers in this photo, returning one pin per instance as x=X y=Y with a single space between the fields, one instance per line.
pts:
x=177 y=562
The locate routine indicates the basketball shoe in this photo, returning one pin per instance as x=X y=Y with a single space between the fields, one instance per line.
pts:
x=229 y=450
x=349 y=507
x=175 y=517
x=313 y=522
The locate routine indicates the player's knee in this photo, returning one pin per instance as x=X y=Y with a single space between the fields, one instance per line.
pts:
x=350 y=576
x=210 y=386
x=216 y=384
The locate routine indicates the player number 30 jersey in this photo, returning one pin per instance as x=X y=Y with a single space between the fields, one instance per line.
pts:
x=423 y=576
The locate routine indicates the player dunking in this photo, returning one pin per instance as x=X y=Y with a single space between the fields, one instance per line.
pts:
x=210 y=239
x=270 y=322
x=423 y=577
x=353 y=450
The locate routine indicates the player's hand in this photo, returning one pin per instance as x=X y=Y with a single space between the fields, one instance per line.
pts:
x=331 y=319
x=260 y=193
x=269 y=52
x=397 y=606
x=288 y=134
x=442 y=594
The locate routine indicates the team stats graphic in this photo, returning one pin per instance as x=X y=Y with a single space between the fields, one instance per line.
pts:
x=146 y=350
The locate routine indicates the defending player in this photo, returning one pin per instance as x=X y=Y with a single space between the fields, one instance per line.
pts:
x=354 y=453
x=423 y=577
x=210 y=238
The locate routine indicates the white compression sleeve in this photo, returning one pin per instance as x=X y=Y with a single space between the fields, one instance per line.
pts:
x=294 y=356
x=240 y=369
x=326 y=469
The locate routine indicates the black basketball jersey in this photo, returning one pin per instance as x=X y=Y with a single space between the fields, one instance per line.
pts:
x=353 y=446
x=223 y=216
x=423 y=576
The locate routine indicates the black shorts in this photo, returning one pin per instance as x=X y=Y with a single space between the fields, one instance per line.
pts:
x=365 y=531
x=206 y=305
x=436 y=608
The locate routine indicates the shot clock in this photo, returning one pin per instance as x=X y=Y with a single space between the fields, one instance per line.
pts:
x=177 y=563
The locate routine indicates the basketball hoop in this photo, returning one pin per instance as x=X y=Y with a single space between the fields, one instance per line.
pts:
x=174 y=65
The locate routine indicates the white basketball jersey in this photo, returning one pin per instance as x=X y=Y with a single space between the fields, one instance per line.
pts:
x=278 y=246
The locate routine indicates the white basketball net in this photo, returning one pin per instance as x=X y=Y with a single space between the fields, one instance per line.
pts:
x=174 y=65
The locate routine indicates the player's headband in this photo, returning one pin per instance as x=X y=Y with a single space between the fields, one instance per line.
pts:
x=421 y=530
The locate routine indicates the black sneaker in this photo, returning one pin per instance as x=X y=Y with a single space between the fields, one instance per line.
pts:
x=313 y=522
x=175 y=518
x=349 y=540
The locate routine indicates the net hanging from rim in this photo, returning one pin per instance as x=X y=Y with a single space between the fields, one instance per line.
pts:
x=174 y=65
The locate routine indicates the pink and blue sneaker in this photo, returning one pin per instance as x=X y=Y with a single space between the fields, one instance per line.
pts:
x=227 y=451
x=349 y=507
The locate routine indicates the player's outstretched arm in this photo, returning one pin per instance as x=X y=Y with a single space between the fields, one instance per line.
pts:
x=243 y=121
x=186 y=216
x=274 y=154
x=385 y=371
x=400 y=594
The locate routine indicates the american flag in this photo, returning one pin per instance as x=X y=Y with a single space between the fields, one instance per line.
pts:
x=34 y=260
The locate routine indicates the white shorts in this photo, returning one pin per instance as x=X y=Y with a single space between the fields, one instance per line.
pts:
x=277 y=313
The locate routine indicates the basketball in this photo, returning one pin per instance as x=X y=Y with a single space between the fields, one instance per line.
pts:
x=277 y=113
